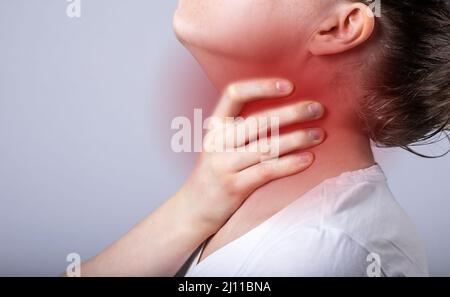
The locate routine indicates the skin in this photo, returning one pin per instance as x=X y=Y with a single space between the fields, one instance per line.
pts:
x=322 y=46
x=246 y=46
x=162 y=242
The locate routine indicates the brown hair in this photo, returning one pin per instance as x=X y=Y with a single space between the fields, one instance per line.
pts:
x=409 y=96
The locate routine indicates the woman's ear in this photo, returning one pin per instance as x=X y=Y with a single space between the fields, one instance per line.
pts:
x=349 y=26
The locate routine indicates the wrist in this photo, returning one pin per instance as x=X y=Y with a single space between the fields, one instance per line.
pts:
x=191 y=218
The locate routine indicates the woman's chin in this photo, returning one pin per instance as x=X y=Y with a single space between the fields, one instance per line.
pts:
x=184 y=29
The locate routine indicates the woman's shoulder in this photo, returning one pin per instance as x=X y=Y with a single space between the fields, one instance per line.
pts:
x=359 y=224
x=367 y=211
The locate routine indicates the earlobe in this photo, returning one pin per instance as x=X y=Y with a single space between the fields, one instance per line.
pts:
x=349 y=26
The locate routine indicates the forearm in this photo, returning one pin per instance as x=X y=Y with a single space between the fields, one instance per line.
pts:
x=158 y=246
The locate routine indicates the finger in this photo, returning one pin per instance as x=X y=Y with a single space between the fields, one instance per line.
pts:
x=256 y=176
x=259 y=124
x=237 y=94
x=255 y=153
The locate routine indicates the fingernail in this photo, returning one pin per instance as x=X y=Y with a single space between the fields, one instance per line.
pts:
x=315 y=109
x=283 y=86
x=305 y=157
x=316 y=134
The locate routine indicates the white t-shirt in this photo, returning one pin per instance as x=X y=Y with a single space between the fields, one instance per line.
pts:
x=348 y=225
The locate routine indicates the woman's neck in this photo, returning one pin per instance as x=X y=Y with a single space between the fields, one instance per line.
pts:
x=346 y=147
x=342 y=151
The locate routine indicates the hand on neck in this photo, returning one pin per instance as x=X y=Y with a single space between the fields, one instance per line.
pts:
x=346 y=148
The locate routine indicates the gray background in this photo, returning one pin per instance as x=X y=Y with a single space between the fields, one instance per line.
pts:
x=85 y=112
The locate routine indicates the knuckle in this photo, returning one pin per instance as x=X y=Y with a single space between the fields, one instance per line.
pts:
x=300 y=139
x=287 y=165
x=267 y=171
x=300 y=110
x=232 y=92
x=268 y=86
x=291 y=165
x=264 y=155
x=231 y=186
x=294 y=112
